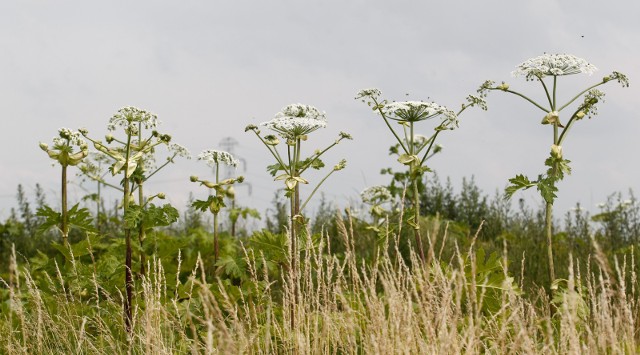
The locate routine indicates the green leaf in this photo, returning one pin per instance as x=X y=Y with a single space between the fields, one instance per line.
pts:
x=547 y=189
x=517 y=183
x=234 y=267
x=133 y=216
x=52 y=218
x=273 y=169
x=202 y=205
x=316 y=164
x=80 y=218
x=557 y=168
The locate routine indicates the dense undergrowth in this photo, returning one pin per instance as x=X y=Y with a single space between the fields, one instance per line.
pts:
x=361 y=289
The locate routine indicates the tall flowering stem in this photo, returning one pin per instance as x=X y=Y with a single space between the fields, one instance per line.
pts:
x=414 y=149
x=293 y=124
x=546 y=69
x=64 y=152
x=132 y=158
x=222 y=189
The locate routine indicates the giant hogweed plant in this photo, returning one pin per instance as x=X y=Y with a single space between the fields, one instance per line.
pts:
x=414 y=149
x=222 y=188
x=293 y=124
x=132 y=158
x=69 y=149
x=547 y=69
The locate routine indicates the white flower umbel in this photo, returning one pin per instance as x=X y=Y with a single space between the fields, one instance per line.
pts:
x=414 y=111
x=179 y=150
x=375 y=195
x=215 y=157
x=553 y=65
x=365 y=94
x=68 y=137
x=128 y=115
x=297 y=120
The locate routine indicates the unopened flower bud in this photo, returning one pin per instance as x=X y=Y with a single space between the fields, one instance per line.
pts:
x=53 y=154
x=44 y=146
x=109 y=138
x=209 y=184
x=556 y=151
x=290 y=183
x=162 y=196
x=193 y=178
x=271 y=140
x=579 y=115
x=552 y=117
x=83 y=131
x=240 y=179
x=504 y=86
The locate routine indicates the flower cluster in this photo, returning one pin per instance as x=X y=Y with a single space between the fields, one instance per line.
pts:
x=128 y=115
x=341 y=165
x=179 y=150
x=619 y=77
x=553 y=64
x=414 y=111
x=67 y=137
x=589 y=107
x=215 y=157
x=477 y=101
x=297 y=120
x=63 y=145
x=368 y=94
x=375 y=195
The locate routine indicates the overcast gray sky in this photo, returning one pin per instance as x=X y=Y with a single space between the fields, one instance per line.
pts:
x=209 y=68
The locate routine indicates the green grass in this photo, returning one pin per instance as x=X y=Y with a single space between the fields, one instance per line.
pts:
x=468 y=304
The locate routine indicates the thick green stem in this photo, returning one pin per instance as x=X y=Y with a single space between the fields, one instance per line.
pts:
x=293 y=253
x=548 y=227
x=416 y=219
x=141 y=232
x=128 y=277
x=64 y=223
x=233 y=220
x=555 y=86
x=295 y=211
x=216 y=248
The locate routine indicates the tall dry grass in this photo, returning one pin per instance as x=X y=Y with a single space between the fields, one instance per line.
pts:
x=343 y=307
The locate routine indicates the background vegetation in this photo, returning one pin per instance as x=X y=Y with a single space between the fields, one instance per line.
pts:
x=362 y=288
